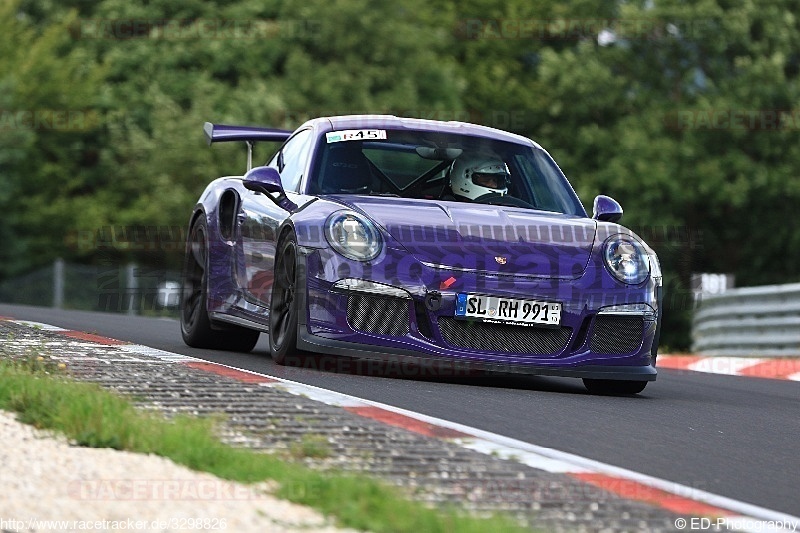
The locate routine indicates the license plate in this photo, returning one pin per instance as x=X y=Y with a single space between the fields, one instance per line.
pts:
x=508 y=310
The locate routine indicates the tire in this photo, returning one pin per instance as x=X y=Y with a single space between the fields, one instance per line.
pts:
x=196 y=328
x=283 y=310
x=613 y=386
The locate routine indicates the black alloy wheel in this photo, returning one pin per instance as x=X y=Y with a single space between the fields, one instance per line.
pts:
x=283 y=304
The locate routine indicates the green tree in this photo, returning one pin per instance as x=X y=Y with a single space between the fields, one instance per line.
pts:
x=48 y=148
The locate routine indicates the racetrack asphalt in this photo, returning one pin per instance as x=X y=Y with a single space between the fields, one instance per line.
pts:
x=733 y=436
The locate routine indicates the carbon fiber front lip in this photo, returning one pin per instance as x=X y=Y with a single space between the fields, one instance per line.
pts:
x=313 y=343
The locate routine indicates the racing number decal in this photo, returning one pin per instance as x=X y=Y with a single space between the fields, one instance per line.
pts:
x=354 y=135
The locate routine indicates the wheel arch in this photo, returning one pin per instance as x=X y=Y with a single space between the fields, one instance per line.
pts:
x=287 y=226
x=196 y=213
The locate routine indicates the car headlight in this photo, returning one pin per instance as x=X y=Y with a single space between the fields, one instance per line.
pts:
x=626 y=259
x=353 y=236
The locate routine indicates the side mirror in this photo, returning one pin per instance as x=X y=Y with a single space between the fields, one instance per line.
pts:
x=606 y=209
x=266 y=180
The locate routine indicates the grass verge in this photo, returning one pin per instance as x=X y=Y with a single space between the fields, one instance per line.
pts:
x=95 y=417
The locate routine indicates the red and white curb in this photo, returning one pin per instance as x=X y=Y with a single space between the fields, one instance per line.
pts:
x=759 y=367
x=628 y=484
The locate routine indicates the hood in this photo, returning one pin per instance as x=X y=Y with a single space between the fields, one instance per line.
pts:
x=484 y=238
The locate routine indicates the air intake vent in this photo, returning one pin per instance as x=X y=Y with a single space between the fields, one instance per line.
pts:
x=382 y=315
x=617 y=335
x=503 y=337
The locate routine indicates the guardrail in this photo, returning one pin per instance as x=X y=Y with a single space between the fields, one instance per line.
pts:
x=751 y=321
x=110 y=287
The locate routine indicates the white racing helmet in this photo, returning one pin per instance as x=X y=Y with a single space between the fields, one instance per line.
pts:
x=473 y=176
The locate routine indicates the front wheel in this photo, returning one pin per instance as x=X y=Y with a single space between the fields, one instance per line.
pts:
x=613 y=386
x=283 y=303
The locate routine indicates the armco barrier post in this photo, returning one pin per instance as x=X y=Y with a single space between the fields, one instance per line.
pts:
x=58 y=283
x=132 y=288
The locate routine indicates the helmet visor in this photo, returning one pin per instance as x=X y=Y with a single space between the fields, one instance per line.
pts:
x=491 y=180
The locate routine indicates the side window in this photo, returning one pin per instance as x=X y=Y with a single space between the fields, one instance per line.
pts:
x=292 y=159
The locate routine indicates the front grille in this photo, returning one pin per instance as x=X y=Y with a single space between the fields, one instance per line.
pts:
x=617 y=334
x=382 y=315
x=503 y=337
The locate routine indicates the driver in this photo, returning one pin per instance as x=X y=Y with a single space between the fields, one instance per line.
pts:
x=473 y=176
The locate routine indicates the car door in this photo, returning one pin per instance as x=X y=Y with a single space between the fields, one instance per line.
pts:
x=261 y=219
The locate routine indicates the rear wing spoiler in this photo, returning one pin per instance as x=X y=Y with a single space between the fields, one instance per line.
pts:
x=216 y=133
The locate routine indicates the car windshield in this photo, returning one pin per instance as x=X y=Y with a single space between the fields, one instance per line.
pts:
x=438 y=166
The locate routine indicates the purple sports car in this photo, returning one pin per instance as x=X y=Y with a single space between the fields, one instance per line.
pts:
x=387 y=238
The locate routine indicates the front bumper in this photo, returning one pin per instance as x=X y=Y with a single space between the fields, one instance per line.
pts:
x=584 y=348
